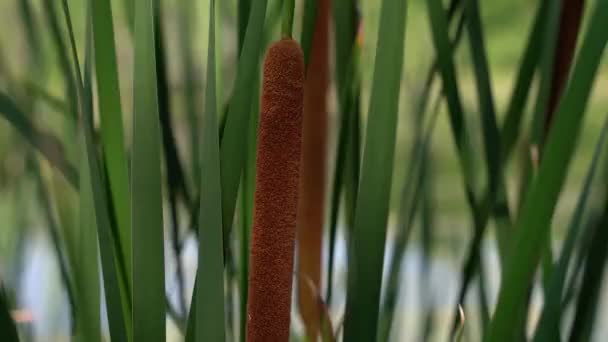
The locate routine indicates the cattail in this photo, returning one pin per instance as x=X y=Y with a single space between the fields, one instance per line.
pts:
x=276 y=194
x=312 y=176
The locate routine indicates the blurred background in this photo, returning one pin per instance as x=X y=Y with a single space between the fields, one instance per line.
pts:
x=34 y=200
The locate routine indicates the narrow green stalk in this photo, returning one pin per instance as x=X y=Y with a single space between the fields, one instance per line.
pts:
x=369 y=232
x=210 y=324
x=146 y=197
x=112 y=133
x=288 y=9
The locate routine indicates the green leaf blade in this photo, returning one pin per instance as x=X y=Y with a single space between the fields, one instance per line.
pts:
x=232 y=158
x=535 y=218
x=209 y=303
x=365 y=268
x=110 y=114
x=146 y=198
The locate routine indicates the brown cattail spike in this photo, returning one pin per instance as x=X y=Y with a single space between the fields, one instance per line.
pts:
x=312 y=177
x=276 y=194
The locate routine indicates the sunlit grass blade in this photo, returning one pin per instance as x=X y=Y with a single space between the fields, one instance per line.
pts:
x=534 y=222
x=49 y=146
x=210 y=300
x=232 y=158
x=111 y=126
x=369 y=233
x=552 y=310
x=146 y=199
x=8 y=329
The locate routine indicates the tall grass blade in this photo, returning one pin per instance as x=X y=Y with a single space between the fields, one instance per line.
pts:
x=210 y=300
x=146 y=199
x=369 y=234
x=535 y=218
x=111 y=126
x=117 y=300
x=552 y=310
x=84 y=101
x=86 y=273
x=232 y=158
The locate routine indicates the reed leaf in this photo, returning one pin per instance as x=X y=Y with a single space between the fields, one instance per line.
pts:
x=146 y=198
x=111 y=126
x=551 y=314
x=210 y=300
x=369 y=231
x=232 y=158
x=534 y=222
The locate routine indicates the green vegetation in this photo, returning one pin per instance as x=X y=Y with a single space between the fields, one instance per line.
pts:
x=465 y=136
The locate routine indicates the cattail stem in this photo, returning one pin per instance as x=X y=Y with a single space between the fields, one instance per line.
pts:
x=288 y=9
x=276 y=194
x=312 y=176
